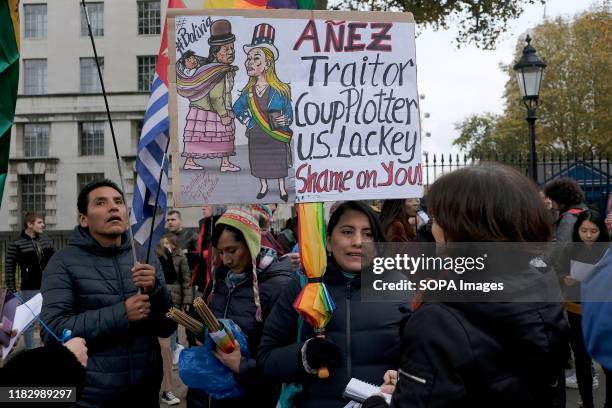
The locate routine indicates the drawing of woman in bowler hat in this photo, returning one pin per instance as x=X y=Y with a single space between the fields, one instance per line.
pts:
x=208 y=83
x=264 y=107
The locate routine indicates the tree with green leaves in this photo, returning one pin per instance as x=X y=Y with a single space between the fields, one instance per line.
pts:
x=478 y=22
x=575 y=95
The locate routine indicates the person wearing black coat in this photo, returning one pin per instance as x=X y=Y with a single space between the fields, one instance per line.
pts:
x=485 y=354
x=361 y=339
x=31 y=253
x=244 y=290
x=38 y=368
x=91 y=288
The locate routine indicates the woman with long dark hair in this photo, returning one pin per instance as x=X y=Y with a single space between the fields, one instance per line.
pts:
x=589 y=230
x=360 y=339
x=398 y=219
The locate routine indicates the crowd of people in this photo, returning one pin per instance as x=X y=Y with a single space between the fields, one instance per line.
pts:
x=424 y=353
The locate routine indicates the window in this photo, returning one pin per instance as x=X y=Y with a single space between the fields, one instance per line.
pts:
x=148 y=17
x=35 y=21
x=90 y=82
x=96 y=19
x=92 y=139
x=136 y=135
x=146 y=69
x=32 y=193
x=85 y=178
x=36 y=140
x=35 y=78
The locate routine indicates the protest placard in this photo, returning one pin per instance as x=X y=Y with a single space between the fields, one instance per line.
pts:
x=293 y=106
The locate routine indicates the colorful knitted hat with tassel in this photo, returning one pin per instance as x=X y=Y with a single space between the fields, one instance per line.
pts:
x=243 y=219
x=262 y=211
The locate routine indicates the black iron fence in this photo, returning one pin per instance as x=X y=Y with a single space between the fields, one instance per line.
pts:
x=590 y=171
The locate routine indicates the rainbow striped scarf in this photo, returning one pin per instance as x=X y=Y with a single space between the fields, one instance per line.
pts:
x=261 y=118
x=203 y=81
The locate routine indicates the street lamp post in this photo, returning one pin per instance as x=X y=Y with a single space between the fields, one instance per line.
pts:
x=529 y=70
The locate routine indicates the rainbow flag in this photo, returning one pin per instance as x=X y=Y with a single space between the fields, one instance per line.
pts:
x=314 y=303
x=260 y=4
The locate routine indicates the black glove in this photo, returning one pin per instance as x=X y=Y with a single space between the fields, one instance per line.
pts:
x=321 y=352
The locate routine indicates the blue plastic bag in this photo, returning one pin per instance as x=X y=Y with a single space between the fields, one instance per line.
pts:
x=199 y=368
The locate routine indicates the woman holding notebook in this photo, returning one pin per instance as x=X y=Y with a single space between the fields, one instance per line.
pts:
x=361 y=340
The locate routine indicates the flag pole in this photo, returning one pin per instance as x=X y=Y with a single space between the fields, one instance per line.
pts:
x=110 y=121
x=161 y=175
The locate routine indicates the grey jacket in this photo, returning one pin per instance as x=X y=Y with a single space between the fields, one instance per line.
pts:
x=565 y=223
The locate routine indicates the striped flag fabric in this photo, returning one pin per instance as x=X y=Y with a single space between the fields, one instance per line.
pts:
x=151 y=154
x=9 y=79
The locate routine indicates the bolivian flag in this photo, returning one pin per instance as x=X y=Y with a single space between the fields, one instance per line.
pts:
x=9 y=79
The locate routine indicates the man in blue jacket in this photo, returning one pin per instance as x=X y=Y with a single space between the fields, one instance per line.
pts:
x=92 y=288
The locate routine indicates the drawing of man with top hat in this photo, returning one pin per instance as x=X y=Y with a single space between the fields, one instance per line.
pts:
x=264 y=107
x=208 y=83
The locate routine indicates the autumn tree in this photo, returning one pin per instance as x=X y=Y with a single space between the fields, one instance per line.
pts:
x=575 y=97
x=476 y=21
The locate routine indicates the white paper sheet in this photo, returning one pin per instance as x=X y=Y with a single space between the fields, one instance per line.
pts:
x=580 y=270
x=24 y=316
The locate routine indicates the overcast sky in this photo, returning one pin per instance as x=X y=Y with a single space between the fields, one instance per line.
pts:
x=460 y=82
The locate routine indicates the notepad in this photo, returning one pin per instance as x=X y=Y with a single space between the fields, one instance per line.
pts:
x=359 y=391
x=24 y=317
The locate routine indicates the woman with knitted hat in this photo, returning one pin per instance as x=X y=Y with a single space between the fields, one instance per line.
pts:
x=244 y=289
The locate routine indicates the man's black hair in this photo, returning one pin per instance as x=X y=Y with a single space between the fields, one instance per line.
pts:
x=564 y=191
x=83 y=199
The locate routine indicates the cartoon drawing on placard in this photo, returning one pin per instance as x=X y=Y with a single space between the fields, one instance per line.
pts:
x=264 y=107
x=207 y=83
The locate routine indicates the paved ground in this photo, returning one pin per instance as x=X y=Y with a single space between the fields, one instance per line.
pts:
x=572 y=395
